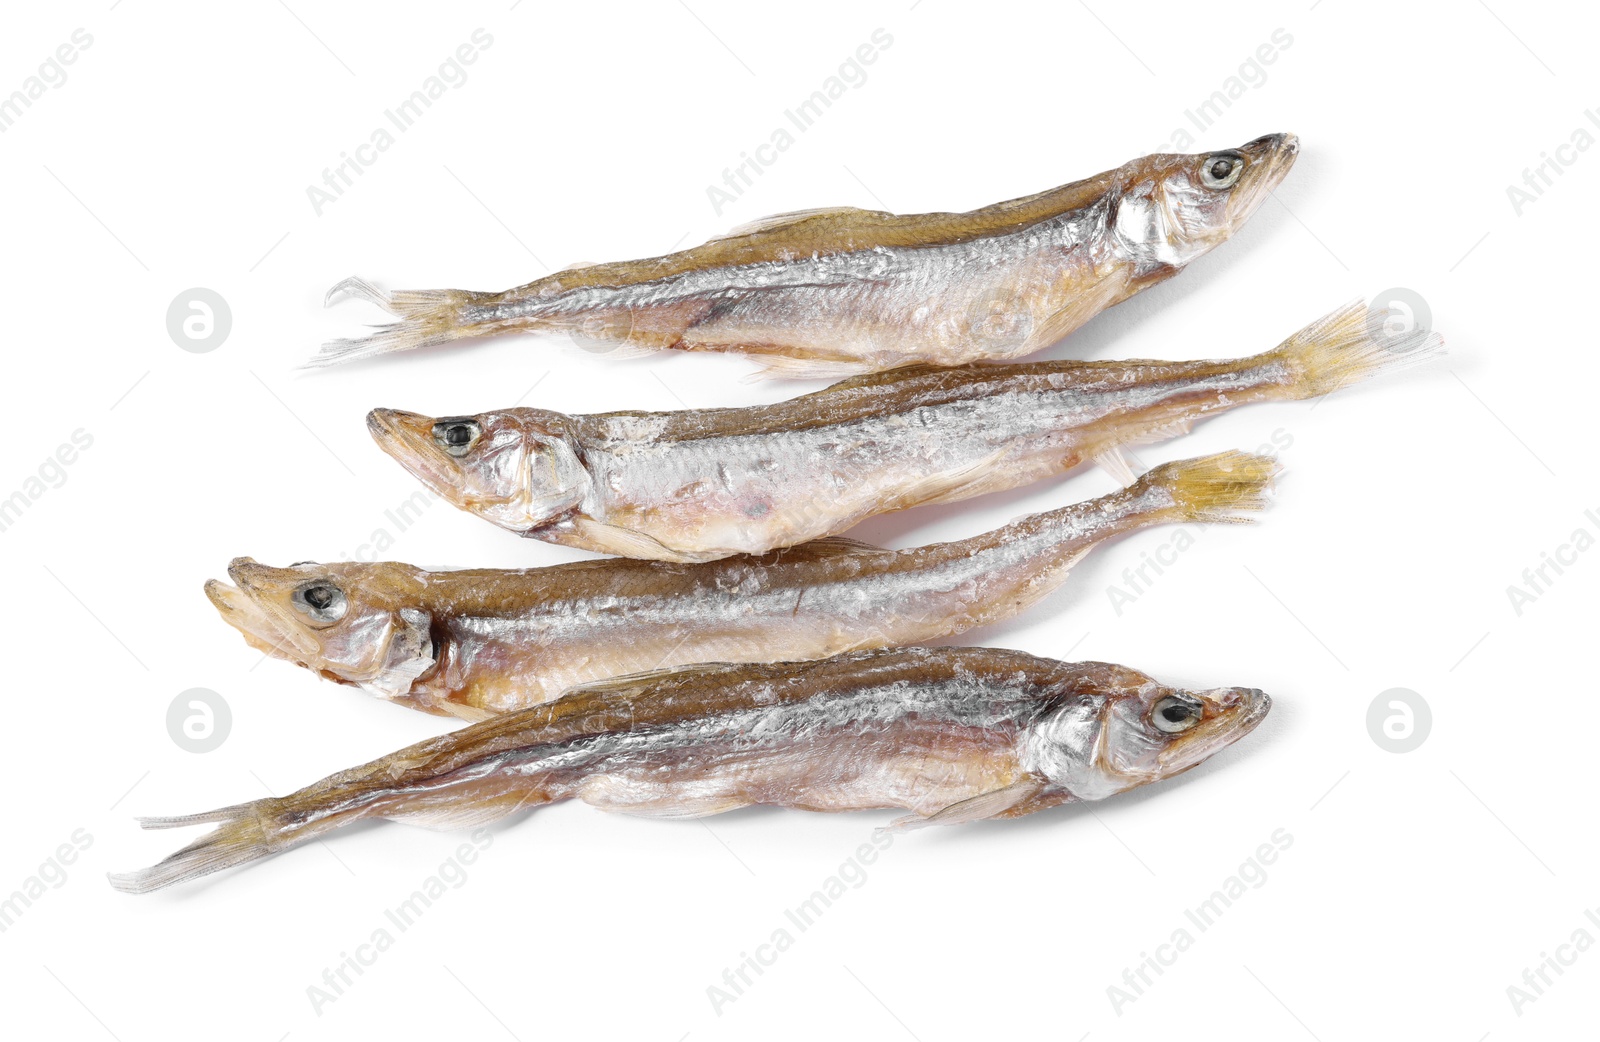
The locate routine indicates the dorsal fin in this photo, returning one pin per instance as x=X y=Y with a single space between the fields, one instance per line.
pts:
x=795 y=217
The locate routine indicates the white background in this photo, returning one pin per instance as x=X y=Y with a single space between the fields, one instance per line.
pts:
x=1418 y=886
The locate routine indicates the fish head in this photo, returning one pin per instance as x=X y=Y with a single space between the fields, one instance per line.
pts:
x=1122 y=729
x=1171 y=209
x=1153 y=731
x=351 y=622
x=515 y=467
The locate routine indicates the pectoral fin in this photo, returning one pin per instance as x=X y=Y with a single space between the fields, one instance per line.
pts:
x=991 y=804
x=1105 y=292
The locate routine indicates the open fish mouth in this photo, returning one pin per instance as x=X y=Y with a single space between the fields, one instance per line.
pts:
x=241 y=612
x=250 y=607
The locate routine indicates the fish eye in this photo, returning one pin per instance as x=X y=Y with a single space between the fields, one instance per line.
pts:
x=1221 y=170
x=1175 y=713
x=322 y=601
x=457 y=436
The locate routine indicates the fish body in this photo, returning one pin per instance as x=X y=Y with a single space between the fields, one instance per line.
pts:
x=696 y=485
x=951 y=734
x=480 y=642
x=837 y=291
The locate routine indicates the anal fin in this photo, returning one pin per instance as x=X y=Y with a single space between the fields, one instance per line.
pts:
x=1114 y=461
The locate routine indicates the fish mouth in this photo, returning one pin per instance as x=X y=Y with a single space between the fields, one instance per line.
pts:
x=1240 y=711
x=251 y=606
x=1256 y=704
x=408 y=438
x=1270 y=158
x=258 y=627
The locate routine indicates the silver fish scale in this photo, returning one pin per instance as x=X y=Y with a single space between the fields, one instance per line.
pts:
x=908 y=266
x=749 y=594
x=958 y=701
x=868 y=458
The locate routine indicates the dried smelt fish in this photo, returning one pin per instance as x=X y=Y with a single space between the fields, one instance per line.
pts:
x=838 y=291
x=475 y=643
x=951 y=734
x=701 y=484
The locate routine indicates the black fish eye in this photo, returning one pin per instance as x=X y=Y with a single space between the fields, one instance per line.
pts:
x=1221 y=170
x=457 y=436
x=322 y=601
x=1175 y=713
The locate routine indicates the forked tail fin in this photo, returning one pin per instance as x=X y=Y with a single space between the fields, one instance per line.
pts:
x=1214 y=488
x=1349 y=345
x=427 y=317
x=240 y=836
x=415 y=785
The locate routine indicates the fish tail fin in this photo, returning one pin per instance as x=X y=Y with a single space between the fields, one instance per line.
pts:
x=240 y=836
x=427 y=317
x=1348 y=345
x=1214 y=488
x=250 y=831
